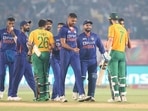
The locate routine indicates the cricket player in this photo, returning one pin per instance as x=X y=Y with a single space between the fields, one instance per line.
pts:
x=87 y=42
x=121 y=21
x=43 y=42
x=117 y=39
x=8 y=38
x=21 y=64
x=69 y=55
x=55 y=64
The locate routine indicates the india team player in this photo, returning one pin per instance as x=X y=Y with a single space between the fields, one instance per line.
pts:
x=69 y=55
x=21 y=64
x=117 y=39
x=8 y=37
x=43 y=42
x=55 y=64
x=87 y=42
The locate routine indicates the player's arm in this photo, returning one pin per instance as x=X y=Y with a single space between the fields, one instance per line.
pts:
x=66 y=46
x=105 y=54
x=51 y=43
x=13 y=34
x=30 y=43
x=129 y=41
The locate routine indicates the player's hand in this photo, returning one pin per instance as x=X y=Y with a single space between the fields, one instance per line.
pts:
x=106 y=57
x=76 y=50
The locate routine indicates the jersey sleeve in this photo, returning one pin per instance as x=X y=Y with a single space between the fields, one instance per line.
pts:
x=63 y=32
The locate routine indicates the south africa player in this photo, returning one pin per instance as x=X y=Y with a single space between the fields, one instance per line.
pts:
x=8 y=37
x=55 y=64
x=69 y=55
x=87 y=42
x=21 y=63
x=121 y=21
x=42 y=41
x=117 y=39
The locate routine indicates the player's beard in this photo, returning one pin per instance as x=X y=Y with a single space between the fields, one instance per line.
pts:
x=88 y=30
x=27 y=29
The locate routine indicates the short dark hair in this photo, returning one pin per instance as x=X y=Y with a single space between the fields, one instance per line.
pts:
x=42 y=23
x=61 y=23
x=120 y=19
x=72 y=15
x=10 y=19
x=49 y=20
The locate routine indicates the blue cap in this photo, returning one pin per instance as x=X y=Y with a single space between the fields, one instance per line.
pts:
x=87 y=21
x=24 y=23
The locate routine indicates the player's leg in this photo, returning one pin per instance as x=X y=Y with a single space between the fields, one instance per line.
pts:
x=38 y=66
x=84 y=66
x=30 y=77
x=45 y=58
x=18 y=71
x=55 y=64
x=75 y=63
x=92 y=78
x=2 y=74
x=122 y=78
x=113 y=68
x=64 y=63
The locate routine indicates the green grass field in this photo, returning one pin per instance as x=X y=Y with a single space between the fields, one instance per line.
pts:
x=137 y=101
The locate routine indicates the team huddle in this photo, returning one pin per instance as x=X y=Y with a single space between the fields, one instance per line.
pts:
x=40 y=49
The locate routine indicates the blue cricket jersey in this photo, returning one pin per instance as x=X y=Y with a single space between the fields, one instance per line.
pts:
x=56 y=50
x=88 y=44
x=7 y=41
x=21 y=47
x=70 y=34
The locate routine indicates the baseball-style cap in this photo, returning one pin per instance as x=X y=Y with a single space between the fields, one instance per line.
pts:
x=114 y=16
x=24 y=23
x=87 y=21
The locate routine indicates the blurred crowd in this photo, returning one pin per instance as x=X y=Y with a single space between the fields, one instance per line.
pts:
x=135 y=13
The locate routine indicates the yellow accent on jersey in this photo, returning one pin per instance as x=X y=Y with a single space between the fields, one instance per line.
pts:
x=119 y=35
x=42 y=39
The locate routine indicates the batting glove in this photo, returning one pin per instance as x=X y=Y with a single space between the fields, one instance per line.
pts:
x=106 y=57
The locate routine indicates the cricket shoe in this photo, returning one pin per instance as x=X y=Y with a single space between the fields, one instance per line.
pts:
x=110 y=100
x=89 y=99
x=123 y=98
x=117 y=99
x=1 y=94
x=63 y=99
x=56 y=99
x=81 y=98
x=75 y=95
x=14 y=98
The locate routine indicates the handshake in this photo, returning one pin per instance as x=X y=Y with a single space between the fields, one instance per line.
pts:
x=106 y=57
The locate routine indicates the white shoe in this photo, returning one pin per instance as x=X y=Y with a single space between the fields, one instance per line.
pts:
x=1 y=94
x=92 y=99
x=110 y=100
x=117 y=99
x=56 y=99
x=81 y=98
x=124 y=99
x=9 y=98
x=75 y=95
x=14 y=98
x=63 y=99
